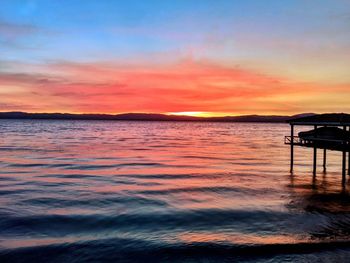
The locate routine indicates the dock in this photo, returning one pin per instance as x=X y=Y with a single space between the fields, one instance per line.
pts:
x=330 y=132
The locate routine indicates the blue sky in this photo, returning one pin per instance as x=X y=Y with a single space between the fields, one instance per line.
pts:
x=102 y=29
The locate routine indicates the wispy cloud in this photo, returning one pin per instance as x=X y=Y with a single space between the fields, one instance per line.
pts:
x=12 y=30
x=13 y=34
x=184 y=86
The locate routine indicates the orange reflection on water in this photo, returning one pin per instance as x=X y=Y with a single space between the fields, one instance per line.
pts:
x=239 y=238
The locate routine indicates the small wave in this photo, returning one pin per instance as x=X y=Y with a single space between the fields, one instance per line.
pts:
x=6 y=149
x=204 y=157
x=136 y=250
x=96 y=167
x=72 y=176
x=24 y=165
x=17 y=191
x=159 y=176
x=95 y=202
x=6 y=178
x=191 y=220
x=209 y=189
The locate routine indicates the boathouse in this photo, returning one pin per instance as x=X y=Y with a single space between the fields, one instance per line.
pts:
x=330 y=132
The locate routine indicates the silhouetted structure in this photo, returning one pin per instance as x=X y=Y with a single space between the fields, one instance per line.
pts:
x=330 y=133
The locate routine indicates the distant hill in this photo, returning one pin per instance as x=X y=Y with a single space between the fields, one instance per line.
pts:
x=146 y=117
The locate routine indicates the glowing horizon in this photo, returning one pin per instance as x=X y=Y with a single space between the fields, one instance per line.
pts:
x=175 y=57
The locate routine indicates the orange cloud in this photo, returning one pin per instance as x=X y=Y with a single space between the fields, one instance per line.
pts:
x=187 y=86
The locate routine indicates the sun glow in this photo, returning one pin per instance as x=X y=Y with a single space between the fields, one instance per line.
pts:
x=201 y=114
x=191 y=113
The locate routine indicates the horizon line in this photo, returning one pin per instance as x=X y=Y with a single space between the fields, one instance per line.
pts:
x=172 y=114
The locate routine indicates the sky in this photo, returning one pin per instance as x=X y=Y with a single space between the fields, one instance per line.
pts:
x=202 y=58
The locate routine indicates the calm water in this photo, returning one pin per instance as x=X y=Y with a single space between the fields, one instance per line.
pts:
x=78 y=191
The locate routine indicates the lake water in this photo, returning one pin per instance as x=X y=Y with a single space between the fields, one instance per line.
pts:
x=90 y=191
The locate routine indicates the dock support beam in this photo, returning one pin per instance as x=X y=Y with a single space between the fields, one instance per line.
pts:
x=343 y=167
x=315 y=157
x=324 y=159
x=315 y=161
x=348 y=157
x=349 y=163
x=344 y=160
x=291 y=147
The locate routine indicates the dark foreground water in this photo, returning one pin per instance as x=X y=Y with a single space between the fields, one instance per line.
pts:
x=91 y=191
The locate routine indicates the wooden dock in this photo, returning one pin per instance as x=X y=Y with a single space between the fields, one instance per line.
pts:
x=340 y=120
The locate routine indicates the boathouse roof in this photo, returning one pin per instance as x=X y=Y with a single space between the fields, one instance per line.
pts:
x=329 y=119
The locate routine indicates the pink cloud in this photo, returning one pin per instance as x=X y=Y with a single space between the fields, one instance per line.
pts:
x=185 y=86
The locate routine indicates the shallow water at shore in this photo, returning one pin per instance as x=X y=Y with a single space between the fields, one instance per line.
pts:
x=167 y=192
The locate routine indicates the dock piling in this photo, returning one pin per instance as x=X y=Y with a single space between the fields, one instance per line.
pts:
x=349 y=163
x=344 y=167
x=324 y=159
x=315 y=161
x=291 y=148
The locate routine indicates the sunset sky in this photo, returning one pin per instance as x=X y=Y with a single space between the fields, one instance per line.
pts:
x=206 y=58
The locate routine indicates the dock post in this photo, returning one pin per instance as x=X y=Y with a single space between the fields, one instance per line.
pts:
x=349 y=159
x=291 y=147
x=349 y=163
x=344 y=159
x=315 y=157
x=344 y=167
x=315 y=161
x=324 y=159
